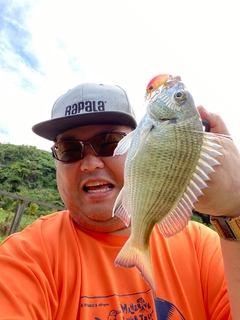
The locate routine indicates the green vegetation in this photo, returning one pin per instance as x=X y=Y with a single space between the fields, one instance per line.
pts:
x=27 y=171
x=6 y=219
x=31 y=173
x=202 y=218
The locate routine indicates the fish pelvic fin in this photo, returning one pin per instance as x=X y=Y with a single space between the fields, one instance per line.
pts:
x=132 y=256
x=178 y=218
x=124 y=144
x=120 y=211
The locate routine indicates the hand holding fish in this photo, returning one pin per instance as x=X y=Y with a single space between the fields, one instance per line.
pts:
x=222 y=198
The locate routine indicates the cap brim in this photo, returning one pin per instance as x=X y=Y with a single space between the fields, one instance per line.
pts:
x=52 y=128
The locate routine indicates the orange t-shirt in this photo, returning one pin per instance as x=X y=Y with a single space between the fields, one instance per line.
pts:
x=55 y=270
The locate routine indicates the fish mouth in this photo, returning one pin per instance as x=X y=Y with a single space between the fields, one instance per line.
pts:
x=171 y=120
x=97 y=187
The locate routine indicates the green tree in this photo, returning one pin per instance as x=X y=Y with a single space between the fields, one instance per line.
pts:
x=30 y=172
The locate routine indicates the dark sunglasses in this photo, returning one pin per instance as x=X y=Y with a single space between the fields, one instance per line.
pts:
x=103 y=145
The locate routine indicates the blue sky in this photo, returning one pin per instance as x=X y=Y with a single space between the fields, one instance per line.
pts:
x=50 y=46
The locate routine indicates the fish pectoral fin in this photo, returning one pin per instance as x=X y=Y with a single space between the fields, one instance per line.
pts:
x=124 y=144
x=120 y=211
x=146 y=129
x=132 y=256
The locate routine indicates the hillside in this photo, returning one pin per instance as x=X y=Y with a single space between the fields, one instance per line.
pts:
x=27 y=171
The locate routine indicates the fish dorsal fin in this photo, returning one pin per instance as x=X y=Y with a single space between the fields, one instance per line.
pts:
x=120 y=211
x=124 y=144
x=178 y=218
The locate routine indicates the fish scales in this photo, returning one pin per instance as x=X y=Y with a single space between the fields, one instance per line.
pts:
x=165 y=181
x=166 y=167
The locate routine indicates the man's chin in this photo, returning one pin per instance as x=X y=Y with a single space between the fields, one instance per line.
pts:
x=108 y=225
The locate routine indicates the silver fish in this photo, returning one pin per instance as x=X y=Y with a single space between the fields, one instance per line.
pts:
x=167 y=166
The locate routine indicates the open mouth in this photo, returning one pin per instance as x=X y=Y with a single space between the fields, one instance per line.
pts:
x=97 y=187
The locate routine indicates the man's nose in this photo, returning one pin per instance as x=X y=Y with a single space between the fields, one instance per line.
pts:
x=90 y=160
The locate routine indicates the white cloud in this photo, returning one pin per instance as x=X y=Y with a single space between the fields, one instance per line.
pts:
x=123 y=42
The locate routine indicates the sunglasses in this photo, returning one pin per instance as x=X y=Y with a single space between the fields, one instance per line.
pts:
x=103 y=145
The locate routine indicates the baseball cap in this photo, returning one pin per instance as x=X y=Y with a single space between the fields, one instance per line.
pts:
x=87 y=104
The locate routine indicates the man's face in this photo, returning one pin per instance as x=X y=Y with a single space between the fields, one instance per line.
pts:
x=89 y=186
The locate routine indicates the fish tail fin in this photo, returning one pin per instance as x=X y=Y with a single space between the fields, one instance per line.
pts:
x=131 y=256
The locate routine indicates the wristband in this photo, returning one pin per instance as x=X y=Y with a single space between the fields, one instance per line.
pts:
x=227 y=228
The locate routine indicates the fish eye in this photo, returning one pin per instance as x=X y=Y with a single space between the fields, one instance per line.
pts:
x=180 y=95
x=150 y=88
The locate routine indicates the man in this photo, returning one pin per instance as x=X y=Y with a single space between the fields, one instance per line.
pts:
x=62 y=266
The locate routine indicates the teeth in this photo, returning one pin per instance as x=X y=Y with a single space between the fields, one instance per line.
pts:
x=95 y=183
x=98 y=191
x=89 y=187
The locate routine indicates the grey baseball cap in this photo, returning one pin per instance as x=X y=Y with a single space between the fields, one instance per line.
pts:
x=87 y=104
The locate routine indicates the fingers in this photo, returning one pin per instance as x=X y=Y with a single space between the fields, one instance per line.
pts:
x=222 y=197
x=217 y=125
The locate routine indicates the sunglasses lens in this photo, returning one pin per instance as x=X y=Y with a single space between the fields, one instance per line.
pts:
x=68 y=151
x=105 y=144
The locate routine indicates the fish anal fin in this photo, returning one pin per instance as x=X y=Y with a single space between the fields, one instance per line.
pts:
x=120 y=211
x=132 y=256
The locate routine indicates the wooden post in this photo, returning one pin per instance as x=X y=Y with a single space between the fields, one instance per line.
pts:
x=23 y=201
x=17 y=217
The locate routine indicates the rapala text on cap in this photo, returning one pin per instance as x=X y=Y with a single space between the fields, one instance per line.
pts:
x=85 y=106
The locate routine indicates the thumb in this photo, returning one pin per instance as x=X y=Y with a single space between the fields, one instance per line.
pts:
x=217 y=125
